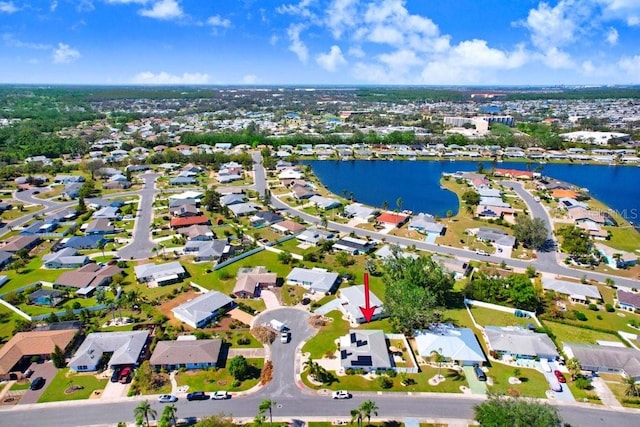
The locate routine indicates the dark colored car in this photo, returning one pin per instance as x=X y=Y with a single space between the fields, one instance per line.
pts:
x=479 y=373
x=115 y=376
x=36 y=383
x=559 y=376
x=197 y=395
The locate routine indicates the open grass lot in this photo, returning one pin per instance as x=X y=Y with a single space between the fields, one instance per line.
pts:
x=55 y=392
x=617 y=321
x=360 y=383
x=624 y=238
x=218 y=379
x=324 y=340
x=488 y=317
x=31 y=273
x=459 y=317
x=291 y=294
x=292 y=246
x=567 y=333
x=615 y=384
x=14 y=213
x=534 y=384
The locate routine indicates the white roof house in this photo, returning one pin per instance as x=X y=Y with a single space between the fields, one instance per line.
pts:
x=425 y=223
x=520 y=343
x=202 y=310
x=457 y=344
x=576 y=291
x=353 y=297
x=161 y=273
x=324 y=202
x=125 y=347
x=316 y=279
x=358 y=210
x=314 y=235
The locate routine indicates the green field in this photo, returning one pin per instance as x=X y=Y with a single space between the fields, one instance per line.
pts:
x=218 y=379
x=55 y=392
x=567 y=333
x=488 y=317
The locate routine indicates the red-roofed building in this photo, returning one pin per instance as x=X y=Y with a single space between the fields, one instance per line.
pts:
x=178 y=222
x=391 y=218
x=514 y=173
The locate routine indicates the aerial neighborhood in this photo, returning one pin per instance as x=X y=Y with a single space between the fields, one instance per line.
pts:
x=184 y=254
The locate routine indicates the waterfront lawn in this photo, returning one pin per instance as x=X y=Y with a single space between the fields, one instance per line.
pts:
x=623 y=238
x=534 y=383
x=569 y=334
x=55 y=392
x=215 y=379
x=488 y=317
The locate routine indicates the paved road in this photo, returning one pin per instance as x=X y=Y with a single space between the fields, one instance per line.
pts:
x=259 y=174
x=27 y=197
x=141 y=244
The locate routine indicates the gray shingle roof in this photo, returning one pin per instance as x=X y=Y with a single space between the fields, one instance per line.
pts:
x=520 y=341
x=570 y=288
x=125 y=346
x=316 y=279
x=364 y=349
x=201 y=308
x=186 y=352
x=600 y=356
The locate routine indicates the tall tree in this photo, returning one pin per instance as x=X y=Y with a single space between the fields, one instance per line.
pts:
x=57 y=357
x=168 y=417
x=144 y=411
x=414 y=290
x=369 y=408
x=267 y=405
x=357 y=416
x=239 y=368
x=632 y=389
x=532 y=233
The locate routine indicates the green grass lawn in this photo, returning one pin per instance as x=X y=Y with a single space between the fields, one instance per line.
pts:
x=452 y=383
x=20 y=385
x=324 y=340
x=567 y=333
x=459 y=317
x=55 y=392
x=232 y=336
x=292 y=294
x=17 y=213
x=292 y=246
x=534 y=384
x=214 y=380
x=7 y=323
x=488 y=317
x=615 y=384
x=580 y=395
x=617 y=321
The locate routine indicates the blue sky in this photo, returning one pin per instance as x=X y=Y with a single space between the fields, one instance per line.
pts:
x=349 y=42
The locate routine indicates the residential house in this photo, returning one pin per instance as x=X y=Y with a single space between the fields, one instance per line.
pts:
x=108 y=212
x=46 y=297
x=392 y=219
x=243 y=209
x=87 y=278
x=65 y=258
x=250 y=281
x=162 y=274
x=287 y=227
x=290 y=173
x=569 y=203
x=616 y=258
x=208 y=250
x=353 y=245
x=16 y=354
x=594 y=230
x=353 y=297
x=514 y=173
x=189 y=194
x=580 y=215
x=484 y=211
x=608 y=359
x=203 y=309
x=629 y=301
x=388 y=251
x=324 y=203
x=197 y=232
x=186 y=354
x=183 y=180
x=314 y=235
x=117 y=184
x=366 y=350
x=516 y=343
x=180 y=222
x=302 y=192
x=174 y=203
x=185 y=211
x=577 y=292
x=457 y=345
x=426 y=224
x=359 y=211
x=315 y=279
x=232 y=199
x=84 y=242
x=500 y=239
x=460 y=268
x=489 y=192
x=114 y=349
x=264 y=218
x=5 y=259
x=17 y=243
x=66 y=179
x=100 y=226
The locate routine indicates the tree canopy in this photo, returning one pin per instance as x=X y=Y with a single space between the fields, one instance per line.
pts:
x=499 y=411
x=531 y=232
x=575 y=241
x=515 y=289
x=414 y=290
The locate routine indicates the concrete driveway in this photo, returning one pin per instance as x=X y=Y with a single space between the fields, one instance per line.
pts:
x=270 y=299
x=45 y=370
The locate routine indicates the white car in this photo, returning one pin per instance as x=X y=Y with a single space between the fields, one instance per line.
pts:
x=220 y=395
x=341 y=394
x=167 y=398
x=481 y=252
x=284 y=337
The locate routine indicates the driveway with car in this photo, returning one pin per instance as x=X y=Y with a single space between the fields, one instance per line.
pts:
x=45 y=370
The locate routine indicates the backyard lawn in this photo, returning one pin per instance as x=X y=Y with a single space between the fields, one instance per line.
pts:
x=324 y=340
x=218 y=379
x=56 y=391
x=488 y=317
x=567 y=333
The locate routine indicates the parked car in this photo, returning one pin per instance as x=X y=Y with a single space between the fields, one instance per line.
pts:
x=197 y=395
x=36 y=383
x=28 y=373
x=115 y=376
x=481 y=252
x=125 y=375
x=221 y=395
x=341 y=394
x=479 y=373
x=555 y=385
x=544 y=364
x=559 y=376
x=284 y=337
x=167 y=398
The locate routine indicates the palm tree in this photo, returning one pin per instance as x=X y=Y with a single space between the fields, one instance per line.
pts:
x=357 y=416
x=267 y=405
x=312 y=366
x=632 y=390
x=101 y=245
x=399 y=203
x=368 y=407
x=169 y=414
x=144 y=410
x=439 y=359
x=323 y=221
x=574 y=367
x=385 y=205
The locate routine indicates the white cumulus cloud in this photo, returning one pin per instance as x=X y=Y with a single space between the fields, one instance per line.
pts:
x=296 y=45
x=164 y=78
x=612 y=36
x=332 y=60
x=163 y=9
x=65 y=54
x=8 y=7
x=218 y=21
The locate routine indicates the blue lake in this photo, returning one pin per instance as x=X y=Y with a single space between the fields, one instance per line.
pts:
x=417 y=183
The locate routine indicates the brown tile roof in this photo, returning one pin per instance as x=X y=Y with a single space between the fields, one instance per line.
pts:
x=183 y=352
x=14 y=244
x=190 y=220
x=32 y=344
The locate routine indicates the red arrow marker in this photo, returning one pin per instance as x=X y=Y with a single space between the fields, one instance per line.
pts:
x=367 y=310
